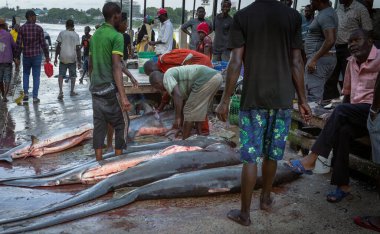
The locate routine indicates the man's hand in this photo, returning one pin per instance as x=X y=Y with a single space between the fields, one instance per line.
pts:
x=55 y=62
x=305 y=112
x=152 y=43
x=311 y=66
x=79 y=65
x=134 y=82
x=47 y=60
x=222 y=111
x=372 y=116
x=17 y=62
x=125 y=104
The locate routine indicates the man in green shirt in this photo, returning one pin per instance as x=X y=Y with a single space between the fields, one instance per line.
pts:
x=109 y=101
x=192 y=88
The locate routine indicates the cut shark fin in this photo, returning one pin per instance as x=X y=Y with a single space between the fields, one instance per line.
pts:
x=34 y=140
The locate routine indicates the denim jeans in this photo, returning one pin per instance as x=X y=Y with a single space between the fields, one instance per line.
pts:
x=374 y=133
x=33 y=63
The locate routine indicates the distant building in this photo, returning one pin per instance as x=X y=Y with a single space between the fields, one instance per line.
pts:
x=40 y=12
x=136 y=8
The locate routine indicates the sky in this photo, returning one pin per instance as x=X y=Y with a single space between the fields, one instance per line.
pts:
x=99 y=3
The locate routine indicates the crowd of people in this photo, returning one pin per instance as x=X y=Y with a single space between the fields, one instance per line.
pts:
x=317 y=57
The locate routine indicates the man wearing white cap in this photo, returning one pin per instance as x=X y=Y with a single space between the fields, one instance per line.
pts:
x=164 y=41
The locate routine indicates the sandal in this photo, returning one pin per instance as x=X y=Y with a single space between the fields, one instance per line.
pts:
x=297 y=167
x=365 y=222
x=73 y=94
x=337 y=195
x=235 y=215
x=60 y=96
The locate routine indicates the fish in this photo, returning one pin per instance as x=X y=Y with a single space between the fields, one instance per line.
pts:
x=200 y=141
x=201 y=183
x=59 y=141
x=97 y=171
x=216 y=155
x=152 y=123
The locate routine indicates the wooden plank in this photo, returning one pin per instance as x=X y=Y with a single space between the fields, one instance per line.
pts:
x=315 y=121
x=361 y=165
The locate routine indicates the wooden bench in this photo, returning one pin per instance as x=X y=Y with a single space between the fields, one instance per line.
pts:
x=306 y=140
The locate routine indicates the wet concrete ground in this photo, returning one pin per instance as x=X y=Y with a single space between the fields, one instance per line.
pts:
x=300 y=207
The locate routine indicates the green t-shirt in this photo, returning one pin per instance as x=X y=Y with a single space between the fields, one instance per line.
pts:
x=105 y=42
x=188 y=78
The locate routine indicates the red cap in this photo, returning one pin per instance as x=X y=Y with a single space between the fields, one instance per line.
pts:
x=161 y=11
x=203 y=27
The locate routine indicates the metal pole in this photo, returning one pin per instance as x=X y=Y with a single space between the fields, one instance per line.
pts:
x=239 y=5
x=183 y=11
x=214 y=9
x=144 y=8
x=121 y=5
x=163 y=3
x=295 y=3
x=194 y=9
x=130 y=14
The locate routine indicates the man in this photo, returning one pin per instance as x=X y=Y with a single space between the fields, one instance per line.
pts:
x=86 y=51
x=164 y=41
x=68 y=49
x=192 y=88
x=351 y=16
x=204 y=44
x=266 y=102
x=222 y=26
x=7 y=47
x=373 y=124
x=110 y=104
x=348 y=120
x=193 y=23
x=308 y=18
x=319 y=49
x=145 y=35
x=30 y=41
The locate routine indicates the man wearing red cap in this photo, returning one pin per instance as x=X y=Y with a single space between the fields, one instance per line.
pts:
x=164 y=41
x=204 y=44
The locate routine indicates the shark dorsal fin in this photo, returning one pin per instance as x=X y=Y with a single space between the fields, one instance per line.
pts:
x=34 y=140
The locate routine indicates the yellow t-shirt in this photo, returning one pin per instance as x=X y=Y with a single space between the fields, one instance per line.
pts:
x=14 y=34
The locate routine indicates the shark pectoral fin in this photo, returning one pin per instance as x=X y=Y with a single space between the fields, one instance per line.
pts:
x=218 y=190
x=34 y=140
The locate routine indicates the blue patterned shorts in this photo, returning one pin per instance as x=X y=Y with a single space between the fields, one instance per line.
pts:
x=263 y=133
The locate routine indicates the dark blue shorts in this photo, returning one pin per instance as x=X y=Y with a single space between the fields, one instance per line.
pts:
x=5 y=72
x=263 y=133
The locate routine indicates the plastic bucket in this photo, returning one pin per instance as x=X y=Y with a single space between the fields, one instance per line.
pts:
x=143 y=57
x=322 y=165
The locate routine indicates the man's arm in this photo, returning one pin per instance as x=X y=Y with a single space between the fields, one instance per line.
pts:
x=118 y=77
x=233 y=72
x=44 y=46
x=330 y=37
x=178 y=104
x=376 y=99
x=18 y=49
x=57 y=52
x=298 y=82
x=185 y=27
x=365 y=20
x=89 y=65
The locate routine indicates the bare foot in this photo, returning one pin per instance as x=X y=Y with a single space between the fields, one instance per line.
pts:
x=237 y=216
x=266 y=203
x=109 y=150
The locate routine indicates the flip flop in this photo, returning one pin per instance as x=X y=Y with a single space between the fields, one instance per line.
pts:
x=337 y=195
x=234 y=215
x=297 y=167
x=365 y=222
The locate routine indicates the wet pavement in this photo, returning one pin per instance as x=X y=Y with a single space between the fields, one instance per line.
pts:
x=300 y=207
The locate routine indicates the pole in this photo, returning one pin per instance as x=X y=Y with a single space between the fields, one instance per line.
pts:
x=163 y=3
x=239 y=5
x=194 y=9
x=144 y=8
x=130 y=14
x=214 y=9
x=121 y=5
x=183 y=11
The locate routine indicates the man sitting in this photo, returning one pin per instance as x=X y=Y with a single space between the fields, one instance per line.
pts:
x=349 y=120
x=192 y=88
